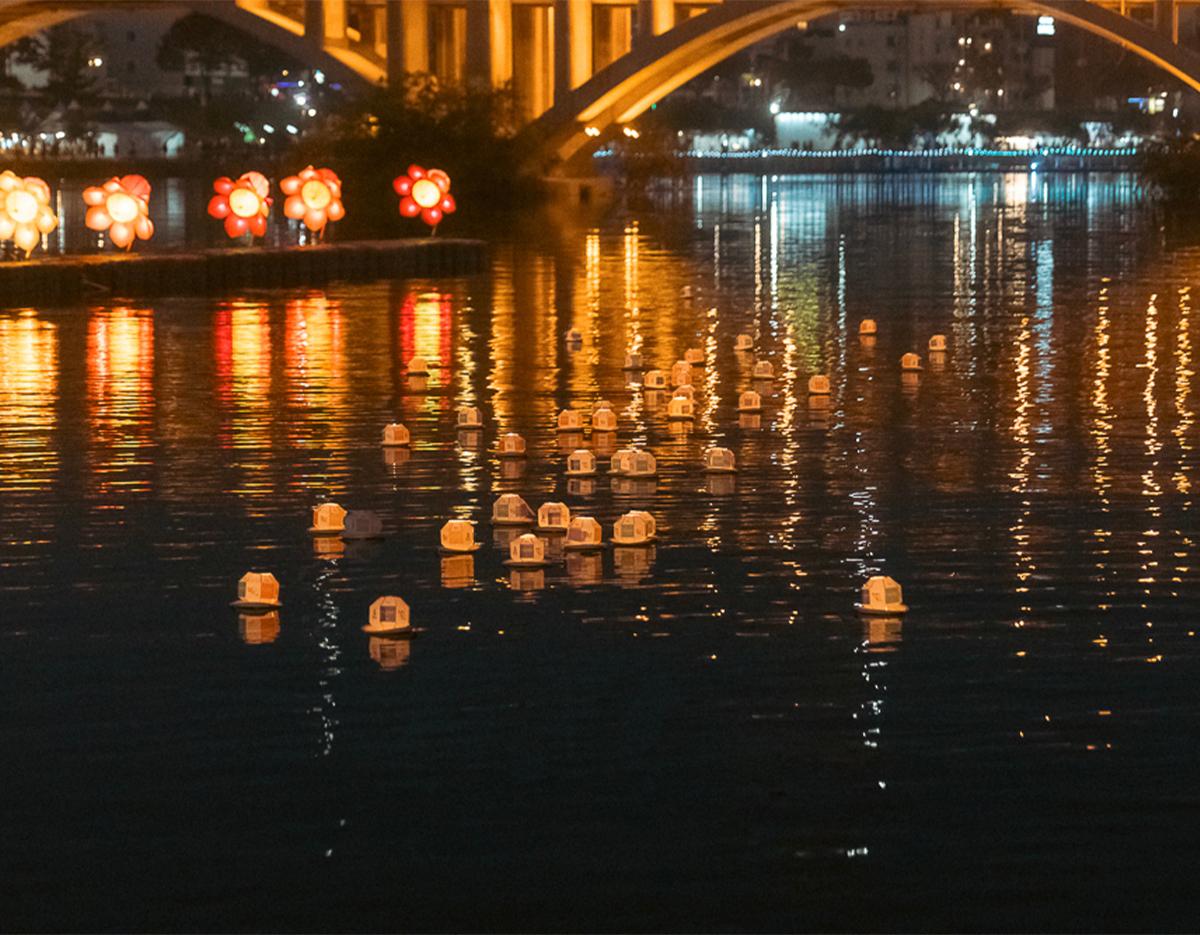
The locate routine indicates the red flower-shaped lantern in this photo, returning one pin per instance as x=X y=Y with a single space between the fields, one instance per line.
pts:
x=243 y=205
x=121 y=206
x=25 y=212
x=314 y=197
x=425 y=193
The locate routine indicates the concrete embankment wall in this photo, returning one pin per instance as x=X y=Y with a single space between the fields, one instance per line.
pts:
x=69 y=279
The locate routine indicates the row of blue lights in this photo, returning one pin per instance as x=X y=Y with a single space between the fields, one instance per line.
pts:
x=901 y=153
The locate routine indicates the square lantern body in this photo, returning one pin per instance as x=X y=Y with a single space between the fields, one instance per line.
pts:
x=511 y=509
x=570 y=420
x=750 y=401
x=328 y=517
x=554 y=515
x=818 y=385
x=396 y=435
x=458 y=535
x=764 y=370
x=581 y=463
x=681 y=373
x=604 y=420
x=633 y=360
x=743 y=342
x=584 y=533
x=362 y=524
x=258 y=589
x=642 y=464
x=512 y=445
x=470 y=418
x=694 y=356
x=655 y=380
x=681 y=408
x=720 y=460
x=388 y=613
x=867 y=327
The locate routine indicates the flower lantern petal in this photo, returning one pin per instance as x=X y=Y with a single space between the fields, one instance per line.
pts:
x=409 y=208
x=218 y=207
x=440 y=179
x=432 y=216
x=335 y=211
x=97 y=219
x=93 y=196
x=415 y=172
x=402 y=185
x=448 y=204
x=294 y=207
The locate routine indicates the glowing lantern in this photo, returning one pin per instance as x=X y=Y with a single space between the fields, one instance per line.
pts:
x=120 y=207
x=426 y=193
x=314 y=197
x=25 y=212
x=243 y=205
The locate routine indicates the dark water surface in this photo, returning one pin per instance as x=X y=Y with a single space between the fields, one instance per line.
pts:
x=699 y=736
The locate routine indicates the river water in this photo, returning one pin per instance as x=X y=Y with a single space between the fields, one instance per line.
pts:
x=699 y=735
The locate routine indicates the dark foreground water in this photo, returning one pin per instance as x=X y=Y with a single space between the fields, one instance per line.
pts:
x=703 y=735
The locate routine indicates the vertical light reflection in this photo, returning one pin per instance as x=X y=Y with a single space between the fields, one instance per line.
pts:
x=28 y=396
x=1021 y=433
x=317 y=388
x=1183 y=385
x=1102 y=439
x=120 y=392
x=242 y=347
x=1151 y=489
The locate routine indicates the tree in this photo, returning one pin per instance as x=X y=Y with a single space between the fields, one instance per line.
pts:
x=215 y=48
x=66 y=54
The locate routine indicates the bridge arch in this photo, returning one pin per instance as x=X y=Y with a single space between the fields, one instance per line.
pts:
x=20 y=18
x=629 y=86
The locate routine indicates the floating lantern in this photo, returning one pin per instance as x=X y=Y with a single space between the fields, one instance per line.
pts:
x=655 y=380
x=866 y=327
x=527 y=550
x=570 y=420
x=750 y=401
x=604 y=420
x=511 y=445
x=937 y=344
x=389 y=654
x=634 y=528
x=553 y=517
x=417 y=367
x=120 y=207
x=362 y=524
x=511 y=510
x=681 y=409
x=458 y=535
x=719 y=461
x=881 y=595
x=743 y=342
x=25 y=212
x=620 y=461
x=681 y=373
x=574 y=336
x=329 y=519
x=313 y=197
x=818 y=385
x=389 y=615
x=458 y=571
x=396 y=435
x=257 y=589
x=258 y=629
x=686 y=391
x=640 y=464
x=584 y=533
x=694 y=356
x=633 y=360
x=581 y=463
x=425 y=193
x=763 y=370
x=910 y=362
x=469 y=418
x=243 y=205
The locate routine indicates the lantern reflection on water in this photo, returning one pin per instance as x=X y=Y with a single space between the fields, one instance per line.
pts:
x=25 y=212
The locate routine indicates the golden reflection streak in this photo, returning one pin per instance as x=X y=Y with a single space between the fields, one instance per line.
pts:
x=1183 y=384
x=1151 y=489
x=28 y=395
x=1021 y=432
x=1101 y=435
x=120 y=392
x=243 y=372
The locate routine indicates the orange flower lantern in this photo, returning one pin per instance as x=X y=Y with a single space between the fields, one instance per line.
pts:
x=314 y=197
x=120 y=207
x=25 y=212
x=425 y=193
x=243 y=205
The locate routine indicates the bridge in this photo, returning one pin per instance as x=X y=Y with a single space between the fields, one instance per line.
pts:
x=580 y=69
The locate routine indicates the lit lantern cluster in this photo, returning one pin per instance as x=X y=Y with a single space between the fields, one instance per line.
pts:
x=243 y=205
x=25 y=212
x=425 y=193
x=314 y=197
x=121 y=208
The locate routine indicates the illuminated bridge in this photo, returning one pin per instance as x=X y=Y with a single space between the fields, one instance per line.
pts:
x=581 y=68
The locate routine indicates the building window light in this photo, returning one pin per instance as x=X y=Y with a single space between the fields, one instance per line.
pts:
x=1045 y=26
